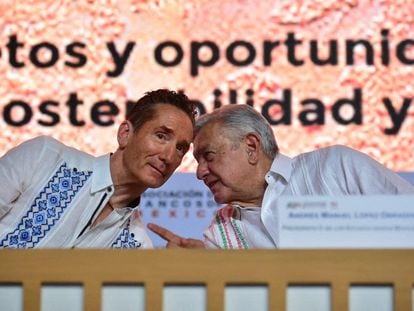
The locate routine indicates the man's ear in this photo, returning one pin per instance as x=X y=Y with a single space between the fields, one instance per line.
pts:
x=253 y=147
x=125 y=131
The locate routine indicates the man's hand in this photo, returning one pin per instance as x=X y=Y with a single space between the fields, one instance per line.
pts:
x=173 y=239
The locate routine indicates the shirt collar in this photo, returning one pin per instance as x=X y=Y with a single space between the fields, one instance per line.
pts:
x=281 y=166
x=101 y=177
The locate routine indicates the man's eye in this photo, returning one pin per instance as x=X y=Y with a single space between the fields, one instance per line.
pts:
x=161 y=135
x=209 y=156
x=181 y=149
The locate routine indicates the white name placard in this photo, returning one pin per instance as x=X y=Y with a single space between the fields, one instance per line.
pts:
x=346 y=222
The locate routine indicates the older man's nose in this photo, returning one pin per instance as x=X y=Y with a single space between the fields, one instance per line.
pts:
x=202 y=170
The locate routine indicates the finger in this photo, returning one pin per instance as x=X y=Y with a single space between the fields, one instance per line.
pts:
x=164 y=233
x=192 y=243
x=172 y=245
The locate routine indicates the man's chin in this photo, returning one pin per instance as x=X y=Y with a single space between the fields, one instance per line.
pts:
x=156 y=182
x=219 y=199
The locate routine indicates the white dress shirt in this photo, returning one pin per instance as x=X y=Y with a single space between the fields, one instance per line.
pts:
x=336 y=170
x=51 y=193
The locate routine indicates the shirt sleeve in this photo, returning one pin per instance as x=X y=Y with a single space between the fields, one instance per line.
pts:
x=17 y=168
x=209 y=241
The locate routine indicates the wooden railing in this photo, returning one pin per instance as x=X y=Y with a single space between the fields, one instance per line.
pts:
x=214 y=269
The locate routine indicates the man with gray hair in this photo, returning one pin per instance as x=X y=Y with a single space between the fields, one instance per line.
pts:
x=239 y=160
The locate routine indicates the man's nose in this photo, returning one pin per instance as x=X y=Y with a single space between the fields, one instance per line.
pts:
x=202 y=170
x=168 y=154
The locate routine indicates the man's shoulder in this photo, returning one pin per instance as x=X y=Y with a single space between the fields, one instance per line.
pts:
x=34 y=147
x=332 y=159
x=335 y=149
x=52 y=143
x=45 y=141
x=46 y=146
x=332 y=152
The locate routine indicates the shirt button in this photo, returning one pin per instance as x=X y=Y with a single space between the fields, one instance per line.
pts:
x=109 y=189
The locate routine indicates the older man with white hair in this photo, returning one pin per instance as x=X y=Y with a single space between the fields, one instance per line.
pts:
x=239 y=160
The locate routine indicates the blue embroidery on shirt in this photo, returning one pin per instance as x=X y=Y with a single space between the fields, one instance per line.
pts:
x=126 y=239
x=47 y=208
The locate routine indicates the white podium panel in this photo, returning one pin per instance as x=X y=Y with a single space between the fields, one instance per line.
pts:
x=346 y=222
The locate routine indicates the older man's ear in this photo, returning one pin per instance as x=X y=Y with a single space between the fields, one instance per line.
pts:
x=253 y=143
